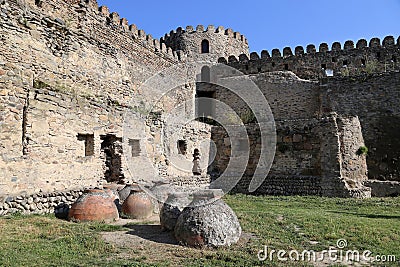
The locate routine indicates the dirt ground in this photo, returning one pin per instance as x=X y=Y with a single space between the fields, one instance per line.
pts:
x=145 y=240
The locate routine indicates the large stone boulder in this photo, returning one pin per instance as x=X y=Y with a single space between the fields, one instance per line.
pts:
x=207 y=221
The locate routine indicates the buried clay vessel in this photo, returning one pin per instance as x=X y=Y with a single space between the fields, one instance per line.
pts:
x=207 y=221
x=113 y=189
x=138 y=205
x=124 y=193
x=172 y=209
x=94 y=205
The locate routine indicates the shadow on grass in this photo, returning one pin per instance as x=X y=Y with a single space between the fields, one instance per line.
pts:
x=372 y=216
x=152 y=233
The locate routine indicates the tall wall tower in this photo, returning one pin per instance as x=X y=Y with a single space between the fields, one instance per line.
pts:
x=208 y=44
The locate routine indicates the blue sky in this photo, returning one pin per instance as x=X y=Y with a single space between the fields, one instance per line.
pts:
x=270 y=24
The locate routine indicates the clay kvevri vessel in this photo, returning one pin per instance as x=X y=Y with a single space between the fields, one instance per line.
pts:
x=207 y=221
x=126 y=191
x=113 y=190
x=172 y=209
x=95 y=205
x=138 y=205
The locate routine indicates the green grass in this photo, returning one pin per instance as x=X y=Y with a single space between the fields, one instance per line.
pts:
x=46 y=241
x=372 y=224
x=277 y=222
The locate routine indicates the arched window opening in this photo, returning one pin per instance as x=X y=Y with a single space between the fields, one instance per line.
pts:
x=205 y=104
x=182 y=147
x=205 y=46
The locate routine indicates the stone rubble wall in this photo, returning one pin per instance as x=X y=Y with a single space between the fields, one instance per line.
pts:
x=40 y=203
x=192 y=181
x=68 y=69
x=289 y=185
x=76 y=48
x=197 y=135
x=288 y=96
x=353 y=164
x=383 y=188
x=308 y=158
x=296 y=167
x=375 y=100
x=51 y=157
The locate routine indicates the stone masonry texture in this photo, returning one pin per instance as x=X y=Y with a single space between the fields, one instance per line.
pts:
x=70 y=71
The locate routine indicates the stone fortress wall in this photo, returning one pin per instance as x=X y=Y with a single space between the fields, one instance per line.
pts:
x=301 y=107
x=375 y=100
x=360 y=81
x=316 y=150
x=364 y=57
x=313 y=157
x=70 y=70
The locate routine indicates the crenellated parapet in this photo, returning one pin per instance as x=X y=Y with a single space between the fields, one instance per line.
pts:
x=115 y=23
x=206 y=43
x=315 y=62
x=169 y=38
x=140 y=35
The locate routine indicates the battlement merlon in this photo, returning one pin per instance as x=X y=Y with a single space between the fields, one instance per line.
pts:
x=201 y=29
x=165 y=45
x=113 y=18
x=206 y=43
x=139 y=34
x=388 y=42
x=373 y=56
